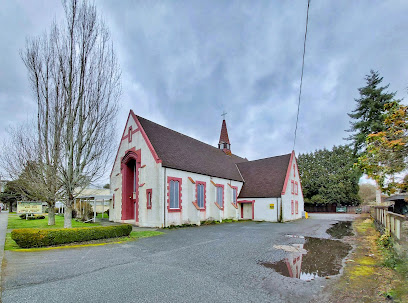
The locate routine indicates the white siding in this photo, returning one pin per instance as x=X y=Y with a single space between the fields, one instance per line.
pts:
x=189 y=213
x=149 y=175
x=288 y=196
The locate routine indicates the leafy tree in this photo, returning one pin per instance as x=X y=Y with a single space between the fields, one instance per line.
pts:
x=367 y=117
x=387 y=150
x=329 y=176
x=367 y=192
x=11 y=194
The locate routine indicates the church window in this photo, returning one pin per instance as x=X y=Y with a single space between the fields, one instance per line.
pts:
x=149 y=198
x=296 y=188
x=292 y=186
x=220 y=195
x=130 y=134
x=174 y=194
x=200 y=194
x=292 y=208
x=297 y=207
x=234 y=195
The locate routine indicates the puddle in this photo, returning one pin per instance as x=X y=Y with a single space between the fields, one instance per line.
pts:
x=295 y=236
x=315 y=258
x=340 y=229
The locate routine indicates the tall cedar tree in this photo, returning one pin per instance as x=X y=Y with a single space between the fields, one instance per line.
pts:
x=329 y=176
x=367 y=117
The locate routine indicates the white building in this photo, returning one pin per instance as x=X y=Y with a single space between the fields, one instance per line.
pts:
x=161 y=178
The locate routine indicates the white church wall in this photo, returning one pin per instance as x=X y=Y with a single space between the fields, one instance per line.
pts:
x=291 y=195
x=263 y=211
x=189 y=213
x=149 y=175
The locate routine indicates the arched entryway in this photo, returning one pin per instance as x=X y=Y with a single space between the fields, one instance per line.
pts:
x=130 y=186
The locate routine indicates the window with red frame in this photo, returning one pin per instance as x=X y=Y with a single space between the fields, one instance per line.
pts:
x=174 y=193
x=113 y=201
x=292 y=207
x=234 y=195
x=220 y=196
x=297 y=207
x=130 y=134
x=294 y=170
x=296 y=188
x=200 y=194
x=292 y=186
x=149 y=198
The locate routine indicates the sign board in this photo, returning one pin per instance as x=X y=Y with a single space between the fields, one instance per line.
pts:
x=341 y=209
x=29 y=207
x=272 y=206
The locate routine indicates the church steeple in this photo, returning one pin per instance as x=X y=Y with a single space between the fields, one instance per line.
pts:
x=224 y=142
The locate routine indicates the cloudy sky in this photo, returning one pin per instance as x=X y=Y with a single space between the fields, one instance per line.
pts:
x=185 y=62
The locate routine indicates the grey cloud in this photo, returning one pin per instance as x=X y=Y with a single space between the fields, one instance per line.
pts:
x=184 y=62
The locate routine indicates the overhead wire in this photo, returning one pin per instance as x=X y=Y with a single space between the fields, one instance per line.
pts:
x=301 y=77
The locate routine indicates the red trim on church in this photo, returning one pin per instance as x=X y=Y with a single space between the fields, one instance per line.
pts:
x=170 y=210
x=149 y=144
x=288 y=172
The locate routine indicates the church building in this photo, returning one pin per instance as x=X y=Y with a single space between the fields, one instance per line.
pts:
x=162 y=178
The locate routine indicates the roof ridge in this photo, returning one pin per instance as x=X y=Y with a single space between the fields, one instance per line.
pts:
x=250 y=161
x=189 y=137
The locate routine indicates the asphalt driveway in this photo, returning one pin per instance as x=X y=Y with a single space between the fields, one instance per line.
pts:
x=196 y=264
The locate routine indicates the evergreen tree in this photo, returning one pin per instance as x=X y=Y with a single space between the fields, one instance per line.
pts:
x=329 y=176
x=367 y=117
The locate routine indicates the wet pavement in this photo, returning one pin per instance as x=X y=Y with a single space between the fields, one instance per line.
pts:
x=315 y=257
x=196 y=264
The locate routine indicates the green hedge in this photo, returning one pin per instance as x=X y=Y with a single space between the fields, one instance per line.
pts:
x=38 y=237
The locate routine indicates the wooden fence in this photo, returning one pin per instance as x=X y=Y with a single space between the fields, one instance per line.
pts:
x=331 y=208
x=395 y=223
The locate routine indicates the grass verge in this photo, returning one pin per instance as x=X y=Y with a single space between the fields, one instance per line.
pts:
x=14 y=222
x=368 y=276
x=10 y=244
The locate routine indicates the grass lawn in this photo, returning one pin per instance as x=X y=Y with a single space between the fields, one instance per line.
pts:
x=134 y=235
x=14 y=222
x=99 y=215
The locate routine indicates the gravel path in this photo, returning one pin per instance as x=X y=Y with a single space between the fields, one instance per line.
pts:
x=195 y=264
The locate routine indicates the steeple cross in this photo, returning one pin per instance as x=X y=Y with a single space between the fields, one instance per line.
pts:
x=223 y=114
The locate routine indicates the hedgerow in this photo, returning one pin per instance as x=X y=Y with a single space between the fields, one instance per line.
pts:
x=38 y=237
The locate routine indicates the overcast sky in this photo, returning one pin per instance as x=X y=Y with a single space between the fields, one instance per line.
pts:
x=185 y=62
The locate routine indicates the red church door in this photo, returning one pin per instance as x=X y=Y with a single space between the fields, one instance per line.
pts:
x=130 y=187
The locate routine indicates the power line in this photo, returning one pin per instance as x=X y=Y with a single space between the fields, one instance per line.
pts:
x=301 y=77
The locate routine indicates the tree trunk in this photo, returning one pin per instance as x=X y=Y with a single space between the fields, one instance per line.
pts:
x=51 y=214
x=68 y=215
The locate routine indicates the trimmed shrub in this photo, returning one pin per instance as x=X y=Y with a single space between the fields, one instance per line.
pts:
x=31 y=217
x=38 y=237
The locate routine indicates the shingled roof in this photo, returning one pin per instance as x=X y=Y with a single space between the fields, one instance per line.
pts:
x=264 y=178
x=188 y=154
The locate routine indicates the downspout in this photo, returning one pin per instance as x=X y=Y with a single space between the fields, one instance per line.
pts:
x=281 y=210
x=164 y=197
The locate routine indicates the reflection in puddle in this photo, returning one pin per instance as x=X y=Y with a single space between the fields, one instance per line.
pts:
x=340 y=229
x=316 y=258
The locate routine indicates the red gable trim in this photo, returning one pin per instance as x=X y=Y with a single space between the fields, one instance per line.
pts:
x=117 y=152
x=288 y=172
x=133 y=132
x=149 y=144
